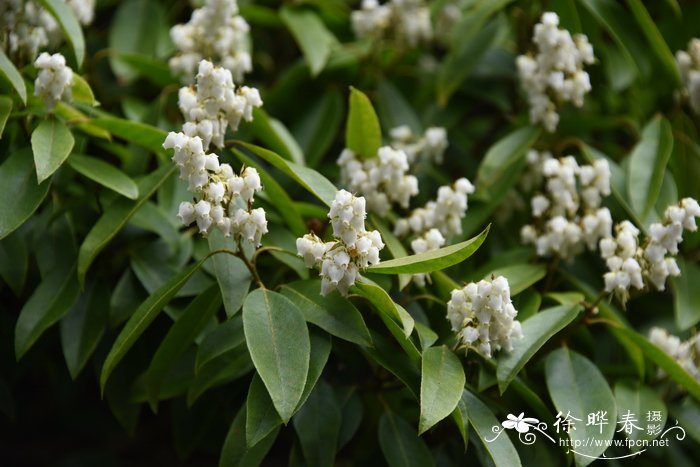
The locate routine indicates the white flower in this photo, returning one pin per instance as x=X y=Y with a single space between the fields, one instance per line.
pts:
x=53 y=83
x=407 y=20
x=429 y=241
x=685 y=353
x=689 y=67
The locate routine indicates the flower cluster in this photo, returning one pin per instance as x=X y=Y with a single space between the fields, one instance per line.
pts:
x=686 y=353
x=54 y=81
x=215 y=103
x=556 y=73
x=630 y=265
x=430 y=146
x=405 y=20
x=444 y=214
x=224 y=199
x=216 y=32
x=383 y=180
x=567 y=214
x=354 y=248
x=483 y=316
x=689 y=67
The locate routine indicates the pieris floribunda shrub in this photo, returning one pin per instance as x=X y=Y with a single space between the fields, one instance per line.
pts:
x=320 y=233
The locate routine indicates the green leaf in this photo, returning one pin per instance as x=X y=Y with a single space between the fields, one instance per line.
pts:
x=520 y=276
x=18 y=183
x=577 y=386
x=5 y=111
x=394 y=109
x=179 y=338
x=220 y=369
x=363 y=135
x=276 y=136
x=8 y=70
x=663 y=360
x=156 y=71
x=501 y=449
x=235 y=452
x=278 y=341
x=222 y=339
x=381 y=300
x=397 y=363
x=317 y=128
x=105 y=174
x=52 y=142
x=636 y=399
x=14 y=262
x=82 y=92
x=434 y=260
x=508 y=152
x=647 y=165
x=49 y=303
x=400 y=444
x=144 y=135
x=317 y=425
x=262 y=418
x=116 y=215
x=314 y=182
x=393 y=244
x=231 y=273
x=441 y=385
x=537 y=330
x=332 y=313
x=686 y=294
x=313 y=37
x=83 y=327
x=142 y=318
x=69 y=24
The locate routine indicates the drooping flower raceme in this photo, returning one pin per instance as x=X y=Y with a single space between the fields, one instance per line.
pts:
x=54 y=81
x=406 y=21
x=382 y=180
x=689 y=67
x=567 y=213
x=483 y=316
x=555 y=74
x=685 y=353
x=354 y=248
x=632 y=263
x=215 y=103
x=215 y=32
x=431 y=145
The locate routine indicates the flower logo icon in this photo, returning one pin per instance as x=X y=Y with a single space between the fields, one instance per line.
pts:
x=521 y=423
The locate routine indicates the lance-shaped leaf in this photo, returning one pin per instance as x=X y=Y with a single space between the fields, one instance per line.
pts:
x=231 y=273
x=384 y=303
x=235 y=452
x=52 y=142
x=8 y=69
x=69 y=24
x=313 y=37
x=430 y=261
x=142 y=134
x=274 y=135
x=278 y=341
x=363 y=135
x=441 y=386
x=105 y=174
x=318 y=426
x=5 y=111
x=400 y=444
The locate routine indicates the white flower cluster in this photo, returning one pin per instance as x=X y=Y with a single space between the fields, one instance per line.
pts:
x=383 y=180
x=556 y=73
x=431 y=145
x=54 y=81
x=444 y=214
x=225 y=199
x=483 y=316
x=567 y=215
x=216 y=32
x=630 y=265
x=354 y=248
x=27 y=27
x=405 y=20
x=689 y=67
x=429 y=241
x=686 y=353
x=215 y=103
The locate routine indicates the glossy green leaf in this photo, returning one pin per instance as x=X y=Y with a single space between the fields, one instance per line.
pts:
x=332 y=313
x=363 y=135
x=235 y=452
x=142 y=134
x=116 y=215
x=686 y=294
x=7 y=69
x=640 y=402
x=393 y=244
x=231 y=273
x=142 y=318
x=278 y=341
x=317 y=129
x=49 y=303
x=52 y=142
x=156 y=71
x=64 y=16
x=577 y=387
x=312 y=36
x=520 y=276
x=83 y=327
x=441 y=386
x=223 y=368
x=273 y=134
x=400 y=444
x=224 y=338
x=537 y=330
x=105 y=174
x=18 y=183
x=434 y=260
x=317 y=425
x=82 y=92
x=381 y=300
x=179 y=338
x=648 y=164
x=311 y=180
x=5 y=111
